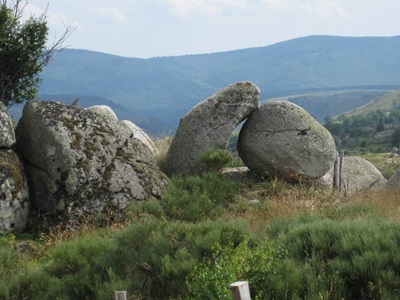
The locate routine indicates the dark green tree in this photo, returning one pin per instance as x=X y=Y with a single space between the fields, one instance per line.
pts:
x=23 y=52
x=396 y=137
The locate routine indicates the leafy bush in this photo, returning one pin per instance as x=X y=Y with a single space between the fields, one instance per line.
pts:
x=216 y=159
x=211 y=279
x=157 y=256
x=195 y=198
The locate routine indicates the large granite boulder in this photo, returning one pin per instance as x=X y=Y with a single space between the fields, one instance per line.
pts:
x=14 y=195
x=209 y=125
x=282 y=140
x=7 y=134
x=81 y=161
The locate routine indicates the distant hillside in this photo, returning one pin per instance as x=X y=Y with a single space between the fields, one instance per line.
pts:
x=372 y=126
x=170 y=86
x=323 y=104
x=143 y=119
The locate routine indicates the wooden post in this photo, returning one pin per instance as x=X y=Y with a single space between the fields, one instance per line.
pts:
x=120 y=295
x=240 y=290
x=341 y=170
x=336 y=173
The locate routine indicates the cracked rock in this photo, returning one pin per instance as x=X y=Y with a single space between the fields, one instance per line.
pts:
x=282 y=140
x=82 y=161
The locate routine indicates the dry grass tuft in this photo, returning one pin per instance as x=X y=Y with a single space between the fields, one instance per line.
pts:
x=162 y=143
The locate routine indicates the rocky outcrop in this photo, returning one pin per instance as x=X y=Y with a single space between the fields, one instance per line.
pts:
x=14 y=195
x=209 y=126
x=7 y=134
x=282 y=140
x=82 y=161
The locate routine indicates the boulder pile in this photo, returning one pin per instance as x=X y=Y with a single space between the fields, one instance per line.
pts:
x=78 y=162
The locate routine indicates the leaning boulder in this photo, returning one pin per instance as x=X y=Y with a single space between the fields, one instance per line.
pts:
x=7 y=134
x=14 y=196
x=282 y=140
x=81 y=161
x=209 y=125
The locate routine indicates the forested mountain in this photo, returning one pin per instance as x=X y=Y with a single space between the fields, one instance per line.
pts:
x=167 y=87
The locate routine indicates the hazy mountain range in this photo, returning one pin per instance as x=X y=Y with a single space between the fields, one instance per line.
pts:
x=165 y=88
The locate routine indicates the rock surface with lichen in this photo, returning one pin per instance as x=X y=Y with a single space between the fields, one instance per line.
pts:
x=82 y=161
x=282 y=140
x=209 y=125
x=14 y=195
x=7 y=134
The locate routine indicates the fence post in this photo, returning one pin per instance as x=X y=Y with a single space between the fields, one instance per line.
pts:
x=120 y=295
x=336 y=173
x=240 y=290
x=341 y=170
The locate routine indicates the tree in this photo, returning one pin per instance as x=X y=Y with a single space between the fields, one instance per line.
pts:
x=396 y=137
x=24 y=52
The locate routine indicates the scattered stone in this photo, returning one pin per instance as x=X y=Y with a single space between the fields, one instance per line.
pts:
x=209 y=125
x=82 y=161
x=282 y=140
x=14 y=194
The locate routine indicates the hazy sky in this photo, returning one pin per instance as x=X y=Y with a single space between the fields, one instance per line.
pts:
x=147 y=28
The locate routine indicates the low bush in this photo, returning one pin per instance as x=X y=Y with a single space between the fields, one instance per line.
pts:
x=196 y=198
x=157 y=256
x=216 y=159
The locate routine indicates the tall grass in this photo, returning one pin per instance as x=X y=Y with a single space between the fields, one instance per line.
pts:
x=289 y=241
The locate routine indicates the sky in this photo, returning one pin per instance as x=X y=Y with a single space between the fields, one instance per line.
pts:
x=154 y=28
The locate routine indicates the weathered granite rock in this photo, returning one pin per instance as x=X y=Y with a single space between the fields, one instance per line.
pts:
x=7 y=134
x=104 y=110
x=358 y=174
x=14 y=194
x=281 y=139
x=82 y=161
x=394 y=182
x=209 y=125
x=139 y=134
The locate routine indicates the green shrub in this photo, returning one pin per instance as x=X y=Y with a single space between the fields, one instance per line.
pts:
x=157 y=256
x=195 y=198
x=350 y=259
x=216 y=159
x=211 y=279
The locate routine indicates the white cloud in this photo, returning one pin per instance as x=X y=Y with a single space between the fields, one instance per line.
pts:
x=187 y=8
x=320 y=8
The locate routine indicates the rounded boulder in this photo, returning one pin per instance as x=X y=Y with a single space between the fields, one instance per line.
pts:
x=282 y=140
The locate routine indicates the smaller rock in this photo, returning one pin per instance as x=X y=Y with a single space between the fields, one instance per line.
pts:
x=104 y=110
x=7 y=133
x=394 y=182
x=14 y=201
x=358 y=174
x=140 y=135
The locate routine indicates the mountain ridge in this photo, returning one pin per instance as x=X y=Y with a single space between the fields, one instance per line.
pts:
x=174 y=84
